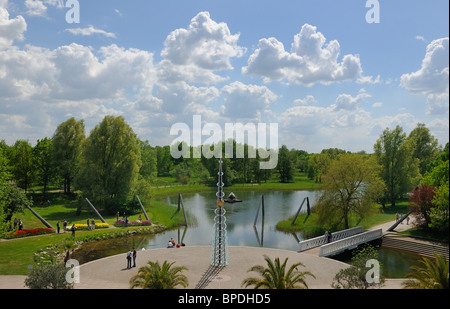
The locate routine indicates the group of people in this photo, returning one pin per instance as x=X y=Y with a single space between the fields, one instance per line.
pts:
x=131 y=255
x=90 y=224
x=172 y=244
x=58 y=226
x=48 y=203
x=398 y=217
x=18 y=224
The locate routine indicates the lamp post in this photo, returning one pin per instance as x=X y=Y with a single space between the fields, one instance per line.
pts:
x=219 y=256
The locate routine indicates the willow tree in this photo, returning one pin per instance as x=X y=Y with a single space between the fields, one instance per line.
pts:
x=351 y=188
x=110 y=163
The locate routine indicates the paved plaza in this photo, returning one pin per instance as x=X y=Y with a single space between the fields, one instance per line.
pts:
x=112 y=273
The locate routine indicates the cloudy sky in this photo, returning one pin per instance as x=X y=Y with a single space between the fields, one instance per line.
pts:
x=317 y=68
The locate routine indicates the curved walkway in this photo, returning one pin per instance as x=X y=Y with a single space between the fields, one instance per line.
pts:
x=111 y=272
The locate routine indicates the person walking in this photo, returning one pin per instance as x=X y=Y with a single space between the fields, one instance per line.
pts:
x=134 y=257
x=129 y=259
x=58 y=226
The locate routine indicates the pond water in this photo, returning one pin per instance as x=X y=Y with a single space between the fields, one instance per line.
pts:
x=279 y=205
x=240 y=218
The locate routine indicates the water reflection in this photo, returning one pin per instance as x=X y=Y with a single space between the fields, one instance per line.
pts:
x=240 y=219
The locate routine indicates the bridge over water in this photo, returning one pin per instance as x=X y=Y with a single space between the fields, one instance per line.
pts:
x=340 y=241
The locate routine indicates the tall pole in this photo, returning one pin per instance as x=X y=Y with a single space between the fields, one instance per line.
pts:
x=220 y=248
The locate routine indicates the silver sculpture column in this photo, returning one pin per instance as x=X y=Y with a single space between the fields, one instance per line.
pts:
x=219 y=256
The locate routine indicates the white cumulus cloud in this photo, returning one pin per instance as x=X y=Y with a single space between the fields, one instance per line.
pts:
x=196 y=52
x=10 y=29
x=310 y=60
x=433 y=77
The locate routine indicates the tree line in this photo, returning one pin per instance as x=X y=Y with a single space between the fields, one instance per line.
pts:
x=112 y=164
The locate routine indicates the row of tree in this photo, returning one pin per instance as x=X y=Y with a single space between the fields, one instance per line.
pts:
x=112 y=163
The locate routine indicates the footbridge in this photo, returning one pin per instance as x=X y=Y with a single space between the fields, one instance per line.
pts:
x=340 y=241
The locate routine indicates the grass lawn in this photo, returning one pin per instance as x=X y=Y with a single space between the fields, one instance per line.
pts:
x=17 y=254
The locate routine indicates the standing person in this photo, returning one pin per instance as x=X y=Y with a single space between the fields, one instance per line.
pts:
x=117 y=216
x=134 y=257
x=57 y=226
x=64 y=225
x=129 y=259
x=126 y=221
x=88 y=224
x=327 y=235
x=16 y=222
x=20 y=225
x=73 y=230
x=330 y=236
x=93 y=224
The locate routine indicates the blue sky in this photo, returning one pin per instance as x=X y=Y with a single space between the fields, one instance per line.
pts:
x=317 y=68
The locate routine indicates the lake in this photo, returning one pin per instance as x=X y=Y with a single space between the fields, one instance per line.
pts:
x=279 y=205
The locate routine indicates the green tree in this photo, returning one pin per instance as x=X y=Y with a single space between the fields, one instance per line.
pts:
x=43 y=161
x=352 y=186
x=4 y=176
x=159 y=277
x=318 y=165
x=285 y=165
x=14 y=201
x=274 y=276
x=148 y=168
x=110 y=163
x=439 y=214
x=400 y=170
x=424 y=146
x=164 y=160
x=432 y=274
x=67 y=141
x=23 y=169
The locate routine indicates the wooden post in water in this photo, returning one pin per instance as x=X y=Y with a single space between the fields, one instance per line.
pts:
x=181 y=204
x=298 y=211
x=261 y=206
x=308 y=206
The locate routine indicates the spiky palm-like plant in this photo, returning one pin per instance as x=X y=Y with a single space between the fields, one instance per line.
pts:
x=432 y=275
x=274 y=276
x=155 y=276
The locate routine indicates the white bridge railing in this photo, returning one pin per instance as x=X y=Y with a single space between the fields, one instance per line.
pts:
x=352 y=242
x=322 y=240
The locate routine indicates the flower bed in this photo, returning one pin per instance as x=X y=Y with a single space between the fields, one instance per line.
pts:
x=84 y=227
x=32 y=232
x=121 y=223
